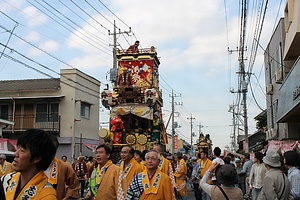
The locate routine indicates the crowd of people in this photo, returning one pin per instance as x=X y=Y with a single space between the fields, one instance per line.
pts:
x=36 y=173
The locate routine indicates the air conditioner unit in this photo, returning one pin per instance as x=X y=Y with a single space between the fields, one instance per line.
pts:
x=274 y=132
x=278 y=76
x=269 y=89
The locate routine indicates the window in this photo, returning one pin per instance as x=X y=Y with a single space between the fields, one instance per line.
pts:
x=85 y=110
x=47 y=112
x=4 y=112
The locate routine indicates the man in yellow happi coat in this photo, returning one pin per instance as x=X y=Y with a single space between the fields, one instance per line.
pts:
x=35 y=151
x=151 y=183
x=106 y=178
x=180 y=175
x=164 y=164
x=138 y=156
x=5 y=167
x=63 y=178
x=129 y=167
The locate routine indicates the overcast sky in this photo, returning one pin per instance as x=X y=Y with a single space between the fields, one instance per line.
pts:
x=192 y=39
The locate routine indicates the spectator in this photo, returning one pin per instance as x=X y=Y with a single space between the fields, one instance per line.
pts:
x=247 y=169
x=292 y=161
x=138 y=157
x=195 y=179
x=180 y=176
x=241 y=175
x=257 y=175
x=276 y=184
x=35 y=151
x=204 y=165
x=227 y=178
x=217 y=153
x=81 y=171
x=5 y=166
x=62 y=177
x=232 y=159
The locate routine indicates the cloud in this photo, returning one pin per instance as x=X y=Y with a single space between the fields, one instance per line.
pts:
x=32 y=37
x=34 y=17
x=49 y=46
x=10 y=5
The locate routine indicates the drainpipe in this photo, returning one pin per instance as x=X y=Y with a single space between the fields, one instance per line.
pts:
x=14 y=110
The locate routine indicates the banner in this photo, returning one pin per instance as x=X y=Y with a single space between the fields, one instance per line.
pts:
x=91 y=147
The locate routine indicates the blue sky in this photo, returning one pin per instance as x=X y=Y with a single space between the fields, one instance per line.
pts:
x=191 y=37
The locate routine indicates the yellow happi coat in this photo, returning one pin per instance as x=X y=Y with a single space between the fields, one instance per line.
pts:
x=157 y=187
x=143 y=165
x=36 y=189
x=108 y=182
x=6 y=168
x=126 y=175
x=180 y=177
x=62 y=175
x=166 y=167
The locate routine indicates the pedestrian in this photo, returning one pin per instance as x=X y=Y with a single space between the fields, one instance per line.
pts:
x=35 y=151
x=195 y=178
x=217 y=159
x=151 y=183
x=257 y=175
x=292 y=161
x=138 y=157
x=204 y=165
x=165 y=165
x=180 y=176
x=129 y=167
x=247 y=169
x=5 y=166
x=81 y=171
x=276 y=184
x=62 y=177
x=106 y=177
x=227 y=178
x=241 y=175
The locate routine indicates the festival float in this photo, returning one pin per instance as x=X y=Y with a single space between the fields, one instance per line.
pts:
x=135 y=101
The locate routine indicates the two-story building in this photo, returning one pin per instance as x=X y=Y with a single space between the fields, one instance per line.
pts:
x=282 y=70
x=67 y=107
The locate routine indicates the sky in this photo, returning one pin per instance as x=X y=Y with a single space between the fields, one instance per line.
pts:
x=192 y=39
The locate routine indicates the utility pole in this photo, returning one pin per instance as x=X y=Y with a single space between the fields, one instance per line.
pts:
x=114 y=34
x=173 y=126
x=114 y=69
x=243 y=83
x=242 y=68
x=191 y=118
x=200 y=126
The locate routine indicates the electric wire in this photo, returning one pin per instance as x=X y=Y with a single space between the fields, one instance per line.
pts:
x=82 y=38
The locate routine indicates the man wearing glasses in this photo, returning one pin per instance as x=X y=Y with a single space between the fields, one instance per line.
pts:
x=129 y=167
x=151 y=183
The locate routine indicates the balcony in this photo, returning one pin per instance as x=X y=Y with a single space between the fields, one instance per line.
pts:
x=49 y=123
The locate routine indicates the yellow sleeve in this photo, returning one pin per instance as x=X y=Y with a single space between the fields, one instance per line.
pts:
x=169 y=190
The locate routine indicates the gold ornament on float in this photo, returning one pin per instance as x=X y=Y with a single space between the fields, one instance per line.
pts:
x=142 y=139
x=130 y=139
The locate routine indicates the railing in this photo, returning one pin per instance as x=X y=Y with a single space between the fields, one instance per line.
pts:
x=23 y=122
x=139 y=51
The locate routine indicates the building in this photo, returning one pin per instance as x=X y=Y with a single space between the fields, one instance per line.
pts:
x=282 y=69
x=67 y=107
